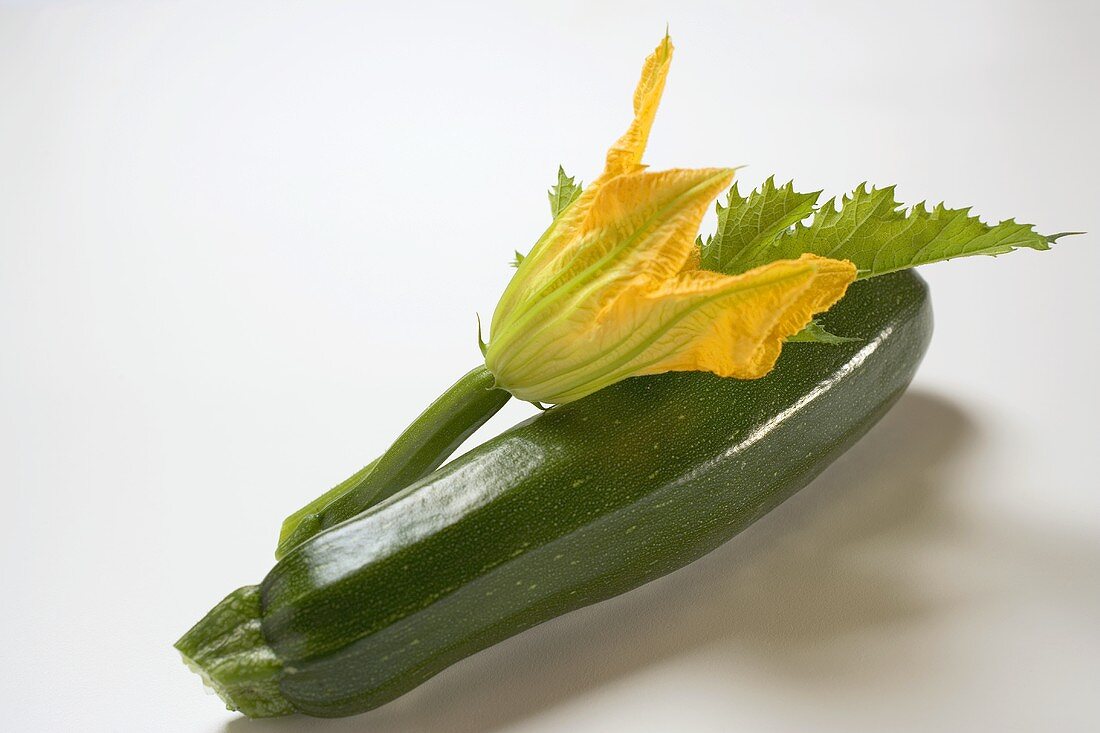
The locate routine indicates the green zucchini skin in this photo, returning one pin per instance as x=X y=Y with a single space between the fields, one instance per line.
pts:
x=578 y=504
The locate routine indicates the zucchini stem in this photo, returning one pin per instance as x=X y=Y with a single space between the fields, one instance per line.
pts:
x=227 y=648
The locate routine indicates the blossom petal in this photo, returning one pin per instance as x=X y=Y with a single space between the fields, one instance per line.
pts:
x=639 y=233
x=735 y=326
x=699 y=321
x=640 y=226
x=625 y=156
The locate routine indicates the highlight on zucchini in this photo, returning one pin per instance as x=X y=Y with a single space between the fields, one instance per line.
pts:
x=697 y=383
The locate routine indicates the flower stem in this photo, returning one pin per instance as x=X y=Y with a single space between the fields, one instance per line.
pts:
x=418 y=451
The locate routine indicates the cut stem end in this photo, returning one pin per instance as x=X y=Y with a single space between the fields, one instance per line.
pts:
x=227 y=649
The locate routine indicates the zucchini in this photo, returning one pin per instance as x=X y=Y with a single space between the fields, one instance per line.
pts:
x=574 y=506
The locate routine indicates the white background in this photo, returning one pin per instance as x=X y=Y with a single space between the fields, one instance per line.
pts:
x=243 y=245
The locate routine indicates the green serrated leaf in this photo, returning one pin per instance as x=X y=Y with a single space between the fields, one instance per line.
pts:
x=879 y=235
x=563 y=193
x=815 y=333
x=748 y=226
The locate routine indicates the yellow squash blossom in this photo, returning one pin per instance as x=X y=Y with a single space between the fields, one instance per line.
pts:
x=613 y=288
